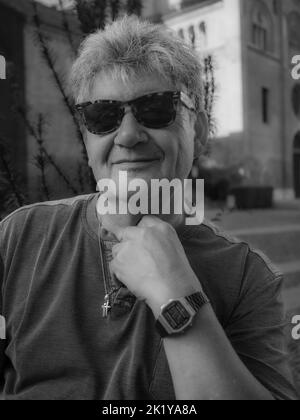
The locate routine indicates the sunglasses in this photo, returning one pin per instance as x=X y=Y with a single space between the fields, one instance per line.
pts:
x=157 y=110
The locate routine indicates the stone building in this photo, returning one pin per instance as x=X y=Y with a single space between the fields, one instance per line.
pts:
x=258 y=103
x=257 y=107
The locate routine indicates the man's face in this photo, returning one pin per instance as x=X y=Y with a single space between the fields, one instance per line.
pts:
x=143 y=152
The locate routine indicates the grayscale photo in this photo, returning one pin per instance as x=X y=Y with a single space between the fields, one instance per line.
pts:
x=149 y=202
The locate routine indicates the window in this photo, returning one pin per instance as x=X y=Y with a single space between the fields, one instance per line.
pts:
x=181 y=33
x=297 y=142
x=261 y=27
x=202 y=35
x=296 y=100
x=265 y=105
x=192 y=35
x=293 y=20
x=276 y=7
x=259 y=37
x=202 y=28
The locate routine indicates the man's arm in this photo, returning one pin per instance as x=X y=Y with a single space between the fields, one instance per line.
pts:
x=151 y=262
x=204 y=365
x=251 y=360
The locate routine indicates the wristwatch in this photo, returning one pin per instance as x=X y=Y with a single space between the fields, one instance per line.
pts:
x=178 y=314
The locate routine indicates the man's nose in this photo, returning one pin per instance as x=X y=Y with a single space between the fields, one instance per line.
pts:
x=130 y=132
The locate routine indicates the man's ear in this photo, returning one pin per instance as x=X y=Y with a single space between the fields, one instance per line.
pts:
x=201 y=134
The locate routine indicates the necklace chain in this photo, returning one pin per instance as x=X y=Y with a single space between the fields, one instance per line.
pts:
x=107 y=305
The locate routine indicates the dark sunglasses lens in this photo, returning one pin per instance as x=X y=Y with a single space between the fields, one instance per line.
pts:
x=156 y=111
x=102 y=118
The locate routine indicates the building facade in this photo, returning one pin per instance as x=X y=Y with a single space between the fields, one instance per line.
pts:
x=257 y=106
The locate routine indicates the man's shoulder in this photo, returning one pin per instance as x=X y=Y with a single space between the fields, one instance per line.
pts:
x=218 y=244
x=42 y=211
x=229 y=267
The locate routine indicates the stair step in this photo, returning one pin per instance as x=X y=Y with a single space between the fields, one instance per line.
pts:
x=266 y=230
x=257 y=219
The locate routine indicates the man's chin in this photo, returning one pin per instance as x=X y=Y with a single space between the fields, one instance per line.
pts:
x=138 y=175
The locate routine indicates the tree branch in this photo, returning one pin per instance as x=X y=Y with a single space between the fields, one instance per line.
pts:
x=50 y=63
x=39 y=141
x=66 y=27
x=9 y=175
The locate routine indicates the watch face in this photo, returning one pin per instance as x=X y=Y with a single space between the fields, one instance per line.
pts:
x=176 y=315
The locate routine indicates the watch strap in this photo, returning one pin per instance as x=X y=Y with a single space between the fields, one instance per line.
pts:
x=196 y=301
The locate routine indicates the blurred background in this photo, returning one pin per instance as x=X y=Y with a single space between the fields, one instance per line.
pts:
x=252 y=164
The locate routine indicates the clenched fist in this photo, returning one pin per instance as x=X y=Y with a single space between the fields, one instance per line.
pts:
x=150 y=261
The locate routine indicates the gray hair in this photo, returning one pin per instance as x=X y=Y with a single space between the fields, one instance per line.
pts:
x=131 y=47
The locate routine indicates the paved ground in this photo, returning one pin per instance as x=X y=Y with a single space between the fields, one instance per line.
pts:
x=287 y=217
x=276 y=232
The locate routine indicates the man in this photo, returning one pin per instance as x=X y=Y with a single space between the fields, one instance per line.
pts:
x=94 y=302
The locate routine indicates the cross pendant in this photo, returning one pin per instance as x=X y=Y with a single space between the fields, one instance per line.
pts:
x=105 y=308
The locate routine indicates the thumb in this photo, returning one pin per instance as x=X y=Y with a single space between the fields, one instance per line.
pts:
x=113 y=228
x=150 y=221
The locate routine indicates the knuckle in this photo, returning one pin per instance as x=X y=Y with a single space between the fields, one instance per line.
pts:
x=144 y=232
x=166 y=227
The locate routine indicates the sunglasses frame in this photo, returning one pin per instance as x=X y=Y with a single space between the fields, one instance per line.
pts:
x=177 y=96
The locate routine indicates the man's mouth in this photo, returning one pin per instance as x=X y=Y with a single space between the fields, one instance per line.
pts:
x=136 y=161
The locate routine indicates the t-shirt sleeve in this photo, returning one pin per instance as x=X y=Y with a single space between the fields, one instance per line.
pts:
x=258 y=329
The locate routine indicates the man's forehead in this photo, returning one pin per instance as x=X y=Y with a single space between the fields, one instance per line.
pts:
x=108 y=87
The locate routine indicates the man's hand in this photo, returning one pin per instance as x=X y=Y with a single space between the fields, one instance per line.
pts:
x=152 y=264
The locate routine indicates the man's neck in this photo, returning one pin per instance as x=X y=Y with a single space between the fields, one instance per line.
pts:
x=118 y=221
x=113 y=223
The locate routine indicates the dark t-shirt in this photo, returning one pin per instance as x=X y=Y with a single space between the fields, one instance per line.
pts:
x=58 y=345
